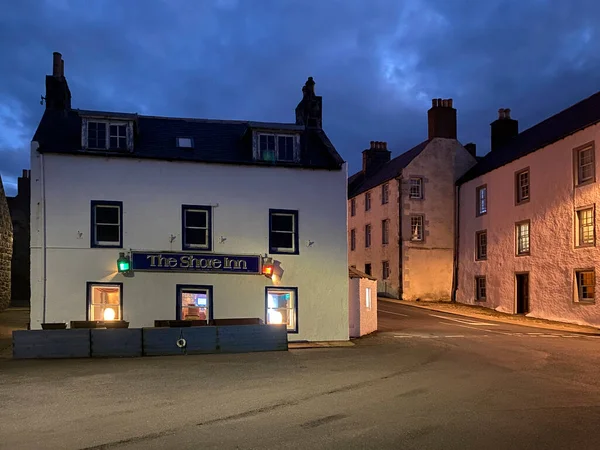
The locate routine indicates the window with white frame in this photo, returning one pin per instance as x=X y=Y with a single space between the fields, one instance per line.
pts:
x=196 y=227
x=352 y=239
x=385 y=270
x=522 y=235
x=367 y=235
x=585 y=232
x=416 y=228
x=481 y=240
x=104 y=135
x=282 y=307
x=276 y=147
x=481 y=200
x=105 y=302
x=480 y=289
x=585 y=169
x=586 y=285
x=195 y=302
x=107 y=217
x=522 y=186
x=416 y=188
x=368 y=298
x=385 y=193
x=283 y=231
x=385 y=231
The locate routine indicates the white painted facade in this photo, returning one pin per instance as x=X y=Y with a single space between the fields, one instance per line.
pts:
x=153 y=192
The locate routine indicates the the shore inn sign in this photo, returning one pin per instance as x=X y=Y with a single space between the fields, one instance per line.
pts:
x=108 y=244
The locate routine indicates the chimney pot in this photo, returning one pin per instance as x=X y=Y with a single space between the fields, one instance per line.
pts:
x=56 y=64
x=507 y=113
x=450 y=103
x=433 y=102
x=501 y=113
x=62 y=67
x=372 y=144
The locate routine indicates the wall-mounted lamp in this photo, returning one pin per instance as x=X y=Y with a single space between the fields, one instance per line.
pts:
x=267 y=267
x=123 y=263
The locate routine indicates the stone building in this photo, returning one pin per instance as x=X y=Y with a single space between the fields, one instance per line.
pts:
x=19 y=212
x=401 y=211
x=6 y=244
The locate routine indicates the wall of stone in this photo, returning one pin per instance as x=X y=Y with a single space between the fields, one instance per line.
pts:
x=19 y=212
x=6 y=244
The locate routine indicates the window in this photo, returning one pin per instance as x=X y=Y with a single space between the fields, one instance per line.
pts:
x=105 y=301
x=480 y=289
x=416 y=188
x=585 y=231
x=586 y=285
x=416 y=228
x=194 y=302
x=368 y=268
x=99 y=134
x=522 y=186
x=367 y=235
x=481 y=239
x=367 y=201
x=353 y=207
x=385 y=231
x=585 y=166
x=522 y=234
x=385 y=193
x=352 y=239
x=368 y=298
x=481 y=200
x=107 y=218
x=385 y=270
x=196 y=224
x=283 y=231
x=185 y=142
x=282 y=307
x=276 y=147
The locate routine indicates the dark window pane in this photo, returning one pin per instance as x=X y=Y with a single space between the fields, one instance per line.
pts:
x=107 y=233
x=107 y=214
x=195 y=236
x=92 y=126
x=282 y=240
x=113 y=142
x=101 y=141
x=280 y=222
x=285 y=148
x=271 y=142
x=102 y=128
x=262 y=142
x=195 y=219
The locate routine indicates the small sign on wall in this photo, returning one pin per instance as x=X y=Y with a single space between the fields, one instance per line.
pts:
x=195 y=262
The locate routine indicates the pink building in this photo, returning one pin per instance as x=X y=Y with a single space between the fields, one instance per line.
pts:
x=401 y=211
x=363 y=303
x=527 y=219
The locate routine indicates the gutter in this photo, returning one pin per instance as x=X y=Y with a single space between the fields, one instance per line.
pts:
x=456 y=243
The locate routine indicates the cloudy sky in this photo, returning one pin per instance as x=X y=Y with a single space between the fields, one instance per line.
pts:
x=377 y=63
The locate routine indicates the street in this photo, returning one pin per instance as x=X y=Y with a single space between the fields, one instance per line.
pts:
x=427 y=380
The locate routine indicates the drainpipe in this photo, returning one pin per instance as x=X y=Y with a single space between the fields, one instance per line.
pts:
x=456 y=243
x=400 y=248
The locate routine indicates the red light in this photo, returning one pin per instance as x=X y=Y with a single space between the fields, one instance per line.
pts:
x=267 y=271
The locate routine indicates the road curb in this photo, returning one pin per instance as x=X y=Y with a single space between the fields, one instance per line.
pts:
x=558 y=327
x=327 y=344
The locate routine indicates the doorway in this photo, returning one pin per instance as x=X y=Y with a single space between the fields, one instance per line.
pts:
x=522 y=282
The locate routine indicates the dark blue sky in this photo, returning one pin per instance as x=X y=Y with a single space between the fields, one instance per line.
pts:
x=377 y=63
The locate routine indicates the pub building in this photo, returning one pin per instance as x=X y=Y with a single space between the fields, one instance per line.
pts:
x=142 y=218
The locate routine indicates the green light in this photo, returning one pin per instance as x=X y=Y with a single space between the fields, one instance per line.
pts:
x=123 y=263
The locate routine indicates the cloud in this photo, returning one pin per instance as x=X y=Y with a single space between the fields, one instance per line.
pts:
x=377 y=64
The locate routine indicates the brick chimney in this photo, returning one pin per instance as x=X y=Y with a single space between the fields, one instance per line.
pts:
x=503 y=129
x=309 y=111
x=441 y=119
x=58 y=95
x=375 y=157
x=471 y=148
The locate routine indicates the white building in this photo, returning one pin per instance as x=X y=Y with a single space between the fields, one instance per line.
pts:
x=196 y=205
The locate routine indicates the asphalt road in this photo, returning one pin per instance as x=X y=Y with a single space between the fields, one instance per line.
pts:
x=427 y=381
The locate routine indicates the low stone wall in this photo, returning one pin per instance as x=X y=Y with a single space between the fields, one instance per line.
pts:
x=6 y=248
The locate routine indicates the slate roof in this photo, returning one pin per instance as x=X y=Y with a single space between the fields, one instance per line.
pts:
x=215 y=141
x=575 y=118
x=355 y=273
x=357 y=183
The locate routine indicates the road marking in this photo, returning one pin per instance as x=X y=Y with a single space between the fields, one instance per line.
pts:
x=468 y=322
x=395 y=313
x=478 y=329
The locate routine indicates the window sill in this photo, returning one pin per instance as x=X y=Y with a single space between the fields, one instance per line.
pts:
x=481 y=259
x=522 y=202
x=585 y=302
x=523 y=254
x=585 y=183
x=480 y=214
x=273 y=251
x=197 y=249
x=106 y=246
x=585 y=246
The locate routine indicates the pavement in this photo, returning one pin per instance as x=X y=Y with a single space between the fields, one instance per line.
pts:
x=11 y=319
x=427 y=380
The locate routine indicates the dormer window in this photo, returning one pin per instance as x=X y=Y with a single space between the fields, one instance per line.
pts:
x=105 y=135
x=277 y=147
x=185 y=142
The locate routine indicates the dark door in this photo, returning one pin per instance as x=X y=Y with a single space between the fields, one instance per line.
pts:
x=522 y=293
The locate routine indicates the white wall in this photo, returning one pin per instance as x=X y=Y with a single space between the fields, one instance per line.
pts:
x=152 y=193
x=363 y=320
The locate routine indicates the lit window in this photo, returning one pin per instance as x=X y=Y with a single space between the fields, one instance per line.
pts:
x=195 y=303
x=282 y=307
x=283 y=231
x=353 y=207
x=416 y=228
x=367 y=201
x=481 y=238
x=481 y=200
x=385 y=270
x=416 y=188
x=585 y=227
x=522 y=186
x=586 y=285
x=367 y=236
x=274 y=147
x=185 y=142
x=105 y=301
x=522 y=234
x=352 y=239
x=368 y=298
x=585 y=171
x=385 y=193
x=480 y=289
x=196 y=227
x=106 y=224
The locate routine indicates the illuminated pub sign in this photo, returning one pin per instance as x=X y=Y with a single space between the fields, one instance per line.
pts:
x=194 y=262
